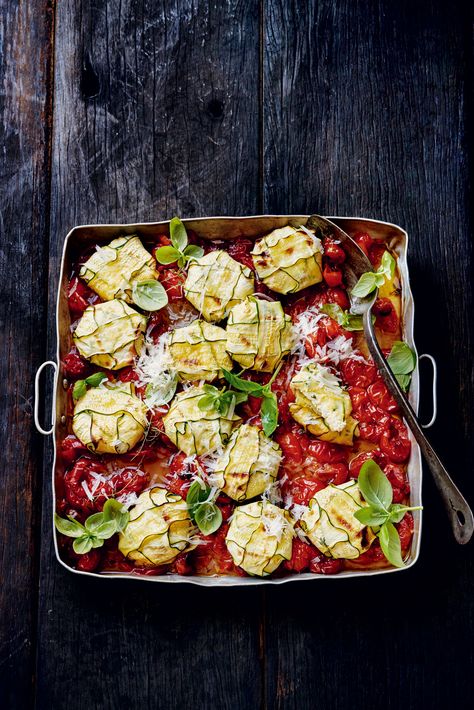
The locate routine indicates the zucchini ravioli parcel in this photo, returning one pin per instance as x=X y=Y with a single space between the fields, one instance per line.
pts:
x=224 y=417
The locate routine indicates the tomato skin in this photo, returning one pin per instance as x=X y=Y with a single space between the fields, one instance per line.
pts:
x=356 y=463
x=128 y=374
x=71 y=449
x=121 y=482
x=405 y=531
x=380 y=396
x=301 y=556
x=339 y=296
x=182 y=565
x=332 y=276
x=358 y=373
x=302 y=488
x=333 y=251
x=385 y=315
x=364 y=241
x=325 y=565
x=325 y=452
x=240 y=249
x=79 y=297
x=394 y=441
x=327 y=329
x=89 y=562
x=335 y=473
x=74 y=365
x=290 y=446
x=358 y=396
x=397 y=476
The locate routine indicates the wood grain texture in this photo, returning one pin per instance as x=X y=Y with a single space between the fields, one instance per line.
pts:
x=156 y=113
x=366 y=110
x=25 y=48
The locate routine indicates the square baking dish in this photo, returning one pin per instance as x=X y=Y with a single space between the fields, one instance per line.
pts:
x=227 y=228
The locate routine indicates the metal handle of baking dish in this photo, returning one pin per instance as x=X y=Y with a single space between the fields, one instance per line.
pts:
x=40 y=369
x=434 y=396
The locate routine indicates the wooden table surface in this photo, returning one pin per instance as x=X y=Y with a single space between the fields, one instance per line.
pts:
x=136 y=110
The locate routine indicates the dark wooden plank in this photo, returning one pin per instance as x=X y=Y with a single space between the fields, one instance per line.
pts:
x=156 y=113
x=366 y=112
x=24 y=133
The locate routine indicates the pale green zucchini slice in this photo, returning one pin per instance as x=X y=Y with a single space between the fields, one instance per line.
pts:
x=248 y=465
x=260 y=537
x=259 y=334
x=113 y=270
x=331 y=525
x=198 y=351
x=110 y=334
x=288 y=259
x=321 y=405
x=109 y=419
x=215 y=283
x=159 y=529
x=193 y=430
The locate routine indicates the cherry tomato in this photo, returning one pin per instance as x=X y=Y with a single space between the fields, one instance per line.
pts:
x=339 y=296
x=301 y=556
x=376 y=253
x=128 y=374
x=182 y=565
x=302 y=488
x=358 y=396
x=405 y=531
x=385 y=315
x=89 y=562
x=369 y=431
x=325 y=565
x=333 y=251
x=397 y=476
x=79 y=296
x=240 y=249
x=356 y=463
x=394 y=441
x=365 y=242
x=74 y=365
x=71 y=448
x=380 y=396
x=332 y=276
x=158 y=323
x=358 y=372
x=290 y=446
x=335 y=473
x=325 y=452
x=173 y=281
x=327 y=329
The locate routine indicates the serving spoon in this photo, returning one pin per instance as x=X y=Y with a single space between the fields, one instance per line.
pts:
x=356 y=264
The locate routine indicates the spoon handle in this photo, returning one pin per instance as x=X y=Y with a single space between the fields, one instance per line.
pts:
x=457 y=508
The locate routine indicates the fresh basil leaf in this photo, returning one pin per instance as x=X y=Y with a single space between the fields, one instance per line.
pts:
x=397 y=512
x=210 y=389
x=178 y=235
x=94 y=521
x=347 y=320
x=71 y=527
x=208 y=518
x=79 y=389
x=197 y=494
x=390 y=544
x=206 y=402
x=243 y=385
x=193 y=252
x=333 y=311
x=82 y=545
x=116 y=511
x=371 y=516
x=402 y=359
x=269 y=413
x=375 y=486
x=387 y=265
x=167 y=255
x=240 y=397
x=149 y=295
x=353 y=322
x=96 y=379
x=365 y=285
x=403 y=381
x=106 y=530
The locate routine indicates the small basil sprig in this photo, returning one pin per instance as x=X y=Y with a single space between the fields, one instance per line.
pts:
x=380 y=513
x=149 y=295
x=371 y=280
x=180 y=251
x=202 y=508
x=402 y=361
x=269 y=406
x=81 y=386
x=347 y=320
x=97 y=528
x=220 y=400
